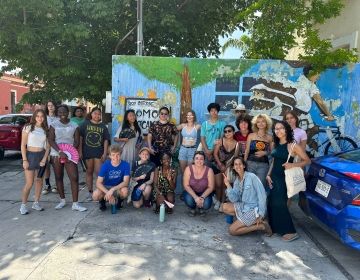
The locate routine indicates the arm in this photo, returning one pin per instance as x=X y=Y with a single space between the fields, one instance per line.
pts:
x=261 y=195
x=156 y=181
x=172 y=179
x=211 y=182
x=80 y=146
x=302 y=144
x=76 y=138
x=305 y=160
x=149 y=140
x=247 y=148
x=24 y=138
x=186 y=184
x=106 y=146
x=268 y=176
x=323 y=107
x=221 y=166
x=100 y=184
x=45 y=157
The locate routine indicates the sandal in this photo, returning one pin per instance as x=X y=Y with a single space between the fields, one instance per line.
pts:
x=291 y=237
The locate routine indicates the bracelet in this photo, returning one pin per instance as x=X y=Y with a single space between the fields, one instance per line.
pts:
x=24 y=160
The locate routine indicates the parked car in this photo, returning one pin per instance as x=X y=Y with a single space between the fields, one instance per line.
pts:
x=332 y=196
x=10 y=131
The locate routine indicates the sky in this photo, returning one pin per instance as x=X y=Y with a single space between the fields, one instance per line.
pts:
x=231 y=52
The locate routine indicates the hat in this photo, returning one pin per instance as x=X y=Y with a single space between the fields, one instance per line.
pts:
x=239 y=107
x=144 y=149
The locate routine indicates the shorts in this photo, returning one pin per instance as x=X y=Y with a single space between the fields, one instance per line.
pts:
x=34 y=159
x=187 y=153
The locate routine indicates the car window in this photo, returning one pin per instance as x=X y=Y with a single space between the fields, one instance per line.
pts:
x=6 y=120
x=20 y=120
x=352 y=155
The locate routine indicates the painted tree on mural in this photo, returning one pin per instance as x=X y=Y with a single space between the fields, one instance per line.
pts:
x=186 y=74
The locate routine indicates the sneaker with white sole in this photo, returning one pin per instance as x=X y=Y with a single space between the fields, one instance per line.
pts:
x=54 y=190
x=217 y=205
x=23 y=209
x=36 y=206
x=89 y=197
x=45 y=190
x=77 y=207
x=61 y=204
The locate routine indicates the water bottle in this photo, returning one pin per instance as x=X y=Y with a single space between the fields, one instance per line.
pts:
x=162 y=213
x=113 y=208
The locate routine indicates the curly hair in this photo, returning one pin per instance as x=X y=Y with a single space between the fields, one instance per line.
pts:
x=288 y=131
x=261 y=116
x=244 y=118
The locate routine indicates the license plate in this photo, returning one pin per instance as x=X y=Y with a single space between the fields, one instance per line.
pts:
x=322 y=188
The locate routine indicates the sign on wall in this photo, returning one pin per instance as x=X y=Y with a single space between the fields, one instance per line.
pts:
x=146 y=111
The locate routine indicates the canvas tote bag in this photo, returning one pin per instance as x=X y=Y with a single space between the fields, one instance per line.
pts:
x=294 y=178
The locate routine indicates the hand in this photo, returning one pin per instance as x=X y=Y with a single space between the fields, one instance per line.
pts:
x=260 y=154
x=269 y=181
x=109 y=195
x=259 y=220
x=63 y=155
x=142 y=177
x=103 y=157
x=199 y=202
x=329 y=118
x=217 y=141
x=42 y=163
x=142 y=187
x=25 y=164
x=226 y=180
x=288 y=165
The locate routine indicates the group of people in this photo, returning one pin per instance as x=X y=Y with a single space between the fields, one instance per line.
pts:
x=238 y=167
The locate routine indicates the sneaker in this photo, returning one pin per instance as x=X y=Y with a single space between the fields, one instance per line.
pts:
x=54 y=190
x=23 y=209
x=217 y=205
x=77 y=207
x=192 y=212
x=202 y=212
x=89 y=197
x=36 y=206
x=61 y=204
x=102 y=204
x=46 y=190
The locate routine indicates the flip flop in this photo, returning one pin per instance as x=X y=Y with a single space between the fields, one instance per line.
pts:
x=294 y=237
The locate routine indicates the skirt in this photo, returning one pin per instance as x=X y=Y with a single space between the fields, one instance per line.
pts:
x=34 y=159
x=247 y=218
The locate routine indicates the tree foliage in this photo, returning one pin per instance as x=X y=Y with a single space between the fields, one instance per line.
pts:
x=64 y=48
x=276 y=26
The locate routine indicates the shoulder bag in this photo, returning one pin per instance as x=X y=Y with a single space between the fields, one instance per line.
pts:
x=294 y=178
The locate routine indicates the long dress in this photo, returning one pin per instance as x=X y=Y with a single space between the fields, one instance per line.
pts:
x=278 y=212
x=129 y=150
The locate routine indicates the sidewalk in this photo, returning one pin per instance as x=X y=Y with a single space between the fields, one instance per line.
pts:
x=132 y=244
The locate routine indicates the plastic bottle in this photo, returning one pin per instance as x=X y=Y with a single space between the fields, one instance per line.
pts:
x=113 y=208
x=162 y=213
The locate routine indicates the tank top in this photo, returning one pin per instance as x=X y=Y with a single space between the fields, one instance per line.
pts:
x=225 y=155
x=36 y=138
x=256 y=146
x=199 y=185
x=189 y=138
x=64 y=133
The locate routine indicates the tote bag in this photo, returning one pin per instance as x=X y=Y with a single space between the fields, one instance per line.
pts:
x=294 y=178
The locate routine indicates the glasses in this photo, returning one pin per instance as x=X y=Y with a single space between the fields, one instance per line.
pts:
x=163 y=114
x=228 y=131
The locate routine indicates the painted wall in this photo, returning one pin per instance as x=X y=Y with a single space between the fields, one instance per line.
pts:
x=263 y=86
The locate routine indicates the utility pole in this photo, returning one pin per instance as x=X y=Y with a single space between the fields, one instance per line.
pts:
x=140 y=39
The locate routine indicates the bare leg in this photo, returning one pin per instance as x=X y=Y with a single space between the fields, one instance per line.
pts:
x=59 y=176
x=219 y=181
x=72 y=172
x=238 y=228
x=38 y=186
x=89 y=173
x=228 y=209
x=29 y=179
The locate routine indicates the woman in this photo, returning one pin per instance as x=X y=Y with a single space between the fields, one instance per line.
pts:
x=243 y=123
x=35 y=152
x=143 y=177
x=164 y=182
x=63 y=131
x=94 y=142
x=300 y=135
x=247 y=201
x=224 y=152
x=189 y=134
x=162 y=137
x=130 y=144
x=198 y=183
x=51 y=116
x=78 y=116
x=278 y=212
x=258 y=146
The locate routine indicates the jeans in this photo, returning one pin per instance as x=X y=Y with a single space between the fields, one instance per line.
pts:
x=260 y=169
x=190 y=202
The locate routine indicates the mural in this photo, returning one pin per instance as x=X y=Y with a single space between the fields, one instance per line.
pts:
x=327 y=105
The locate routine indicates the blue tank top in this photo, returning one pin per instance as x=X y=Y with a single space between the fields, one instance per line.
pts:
x=189 y=137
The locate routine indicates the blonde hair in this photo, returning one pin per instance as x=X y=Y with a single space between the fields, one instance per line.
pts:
x=261 y=116
x=115 y=148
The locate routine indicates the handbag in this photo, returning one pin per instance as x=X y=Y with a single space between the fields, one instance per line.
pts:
x=294 y=178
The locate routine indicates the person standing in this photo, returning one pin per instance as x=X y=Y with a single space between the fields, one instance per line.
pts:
x=63 y=131
x=243 y=123
x=239 y=111
x=51 y=116
x=300 y=135
x=78 y=116
x=278 y=212
x=93 y=148
x=35 y=151
x=162 y=137
x=130 y=137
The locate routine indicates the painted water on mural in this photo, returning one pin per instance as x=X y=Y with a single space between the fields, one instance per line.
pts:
x=263 y=86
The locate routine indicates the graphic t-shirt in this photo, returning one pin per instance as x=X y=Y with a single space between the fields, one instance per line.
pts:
x=211 y=132
x=162 y=136
x=114 y=175
x=93 y=136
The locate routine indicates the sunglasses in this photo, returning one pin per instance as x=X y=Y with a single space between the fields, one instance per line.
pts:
x=228 y=130
x=164 y=114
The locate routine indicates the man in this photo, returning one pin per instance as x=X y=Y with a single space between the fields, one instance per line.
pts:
x=239 y=110
x=113 y=180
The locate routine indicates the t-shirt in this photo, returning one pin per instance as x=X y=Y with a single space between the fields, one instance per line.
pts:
x=77 y=120
x=299 y=135
x=93 y=136
x=211 y=132
x=162 y=136
x=242 y=140
x=114 y=175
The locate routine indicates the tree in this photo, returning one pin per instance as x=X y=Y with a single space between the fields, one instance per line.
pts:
x=275 y=26
x=64 y=48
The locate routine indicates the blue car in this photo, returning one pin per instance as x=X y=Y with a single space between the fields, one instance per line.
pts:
x=332 y=196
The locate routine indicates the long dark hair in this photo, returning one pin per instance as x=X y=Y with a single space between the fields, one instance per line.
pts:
x=234 y=173
x=289 y=133
x=126 y=123
x=32 y=122
x=88 y=116
x=47 y=110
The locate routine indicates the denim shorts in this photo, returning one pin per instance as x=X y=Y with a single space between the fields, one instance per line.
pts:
x=187 y=154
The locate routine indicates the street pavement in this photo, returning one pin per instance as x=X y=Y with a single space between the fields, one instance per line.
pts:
x=132 y=244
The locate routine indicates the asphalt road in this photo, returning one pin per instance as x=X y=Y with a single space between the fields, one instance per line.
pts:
x=11 y=162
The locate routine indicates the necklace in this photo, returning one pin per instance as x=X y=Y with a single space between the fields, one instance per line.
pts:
x=261 y=136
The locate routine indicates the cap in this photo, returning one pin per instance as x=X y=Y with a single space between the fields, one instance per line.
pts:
x=239 y=107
